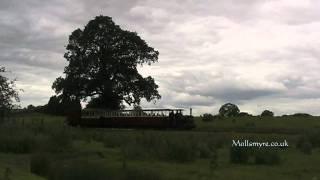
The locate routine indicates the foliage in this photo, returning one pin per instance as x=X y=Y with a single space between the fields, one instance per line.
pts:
x=207 y=117
x=267 y=113
x=103 y=60
x=55 y=106
x=229 y=110
x=301 y=115
x=244 y=114
x=32 y=109
x=8 y=93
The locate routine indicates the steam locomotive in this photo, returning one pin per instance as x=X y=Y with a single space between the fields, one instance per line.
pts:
x=147 y=118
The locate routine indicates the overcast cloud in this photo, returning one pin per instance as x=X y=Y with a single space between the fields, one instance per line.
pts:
x=258 y=54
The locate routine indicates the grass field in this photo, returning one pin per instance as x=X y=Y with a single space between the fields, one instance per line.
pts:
x=37 y=146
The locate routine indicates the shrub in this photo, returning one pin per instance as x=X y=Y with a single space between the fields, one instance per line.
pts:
x=207 y=117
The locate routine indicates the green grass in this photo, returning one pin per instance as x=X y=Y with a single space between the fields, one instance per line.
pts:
x=153 y=154
x=264 y=124
x=18 y=166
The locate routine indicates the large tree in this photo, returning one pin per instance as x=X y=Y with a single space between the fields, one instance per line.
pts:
x=229 y=110
x=102 y=65
x=8 y=93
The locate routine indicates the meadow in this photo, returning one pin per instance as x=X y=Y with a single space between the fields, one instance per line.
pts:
x=39 y=147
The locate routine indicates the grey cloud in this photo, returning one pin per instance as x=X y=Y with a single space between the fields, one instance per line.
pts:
x=211 y=52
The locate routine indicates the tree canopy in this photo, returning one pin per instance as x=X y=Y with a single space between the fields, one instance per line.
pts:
x=8 y=92
x=267 y=113
x=229 y=110
x=102 y=66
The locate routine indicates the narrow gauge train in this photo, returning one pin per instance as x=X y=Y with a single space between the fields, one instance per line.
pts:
x=148 y=118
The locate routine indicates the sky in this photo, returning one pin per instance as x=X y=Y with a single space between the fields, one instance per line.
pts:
x=257 y=54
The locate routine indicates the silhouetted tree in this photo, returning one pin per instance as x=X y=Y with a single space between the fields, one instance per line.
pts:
x=31 y=107
x=103 y=60
x=229 y=110
x=267 y=113
x=8 y=93
x=55 y=106
x=301 y=115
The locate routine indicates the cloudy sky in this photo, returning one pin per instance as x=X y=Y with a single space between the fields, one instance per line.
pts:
x=258 y=54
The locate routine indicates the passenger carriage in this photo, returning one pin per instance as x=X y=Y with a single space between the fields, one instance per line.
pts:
x=147 y=118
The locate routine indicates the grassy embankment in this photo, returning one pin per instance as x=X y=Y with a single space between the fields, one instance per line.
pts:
x=41 y=147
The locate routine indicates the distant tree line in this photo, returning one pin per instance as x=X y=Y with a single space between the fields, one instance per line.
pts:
x=231 y=110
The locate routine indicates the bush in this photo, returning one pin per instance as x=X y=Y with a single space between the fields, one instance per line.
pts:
x=239 y=155
x=207 y=117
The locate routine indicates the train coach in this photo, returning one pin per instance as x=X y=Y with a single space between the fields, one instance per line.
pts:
x=147 y=118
